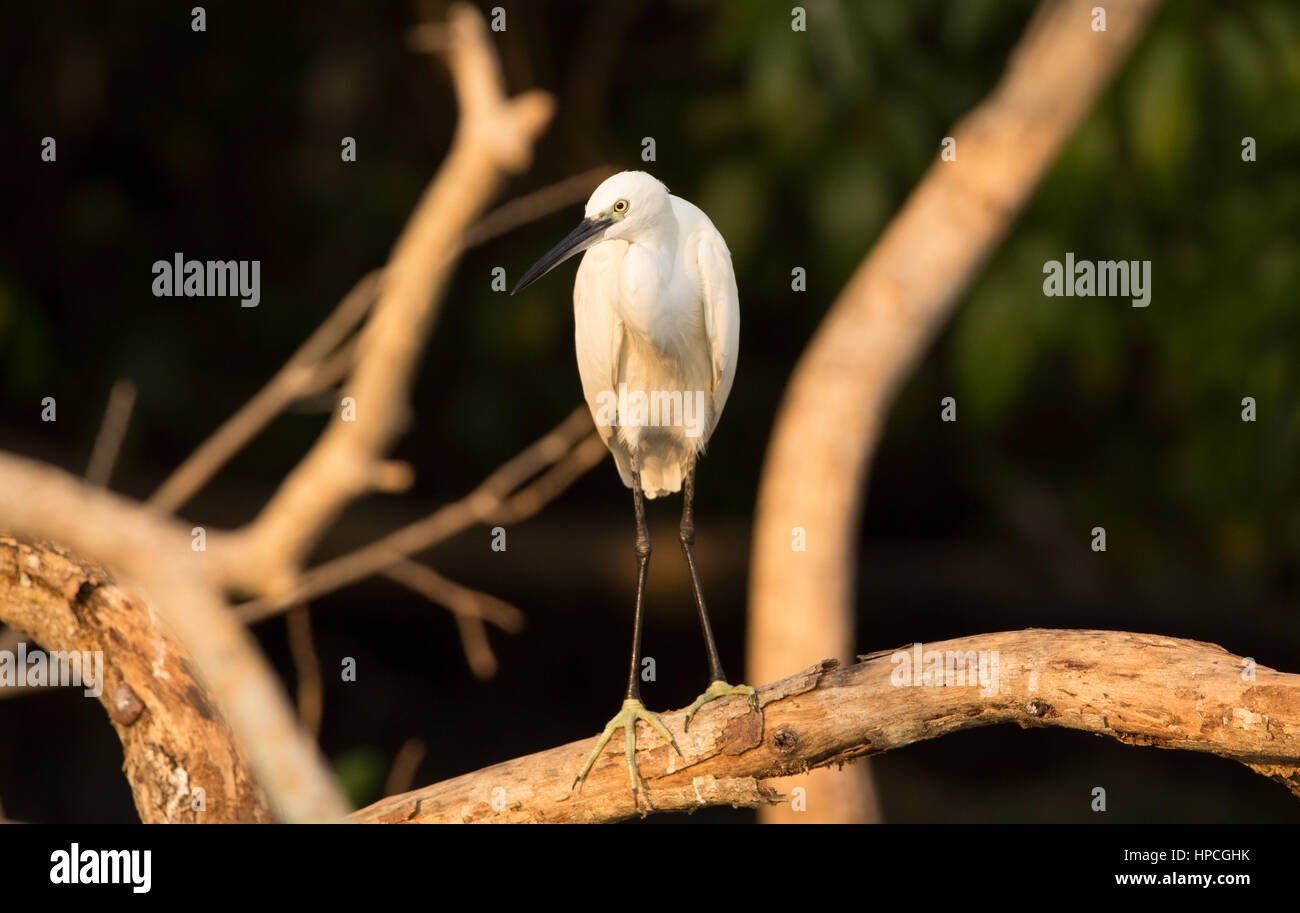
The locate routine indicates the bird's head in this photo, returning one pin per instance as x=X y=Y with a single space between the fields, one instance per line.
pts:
x=629 y=200
x=623 y=204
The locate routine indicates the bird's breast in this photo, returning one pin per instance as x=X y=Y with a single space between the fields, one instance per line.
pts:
x=656 y=302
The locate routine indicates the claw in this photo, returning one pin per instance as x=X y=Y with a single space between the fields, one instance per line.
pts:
x=626 y=719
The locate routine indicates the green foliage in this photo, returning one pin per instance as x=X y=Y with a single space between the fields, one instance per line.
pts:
x=361 y=772
x=1157 y=174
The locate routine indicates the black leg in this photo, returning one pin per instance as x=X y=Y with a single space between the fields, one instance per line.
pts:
x=688 y=549
x=642 y=572
x=633 y=710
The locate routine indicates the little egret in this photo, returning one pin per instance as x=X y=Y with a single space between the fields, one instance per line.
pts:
x=657 y=329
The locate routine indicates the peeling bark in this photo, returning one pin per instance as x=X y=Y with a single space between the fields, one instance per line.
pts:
x=1142 y=689
x=173 y=740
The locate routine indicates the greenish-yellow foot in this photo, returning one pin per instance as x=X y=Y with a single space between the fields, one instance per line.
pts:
x=626 y=720
x=715 y=691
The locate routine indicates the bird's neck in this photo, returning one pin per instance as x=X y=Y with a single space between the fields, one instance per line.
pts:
x=660 y=241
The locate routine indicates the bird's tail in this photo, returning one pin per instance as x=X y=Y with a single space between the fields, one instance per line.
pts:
x=661 y=473
x=660 y=476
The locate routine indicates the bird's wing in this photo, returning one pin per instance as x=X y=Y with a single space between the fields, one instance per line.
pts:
x=596 y=333
x=598 y=338
x=721 y=310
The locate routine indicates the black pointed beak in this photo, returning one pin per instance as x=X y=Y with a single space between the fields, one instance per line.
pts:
x=585 y=235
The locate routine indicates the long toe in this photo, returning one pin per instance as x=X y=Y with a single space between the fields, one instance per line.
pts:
x=626 y=719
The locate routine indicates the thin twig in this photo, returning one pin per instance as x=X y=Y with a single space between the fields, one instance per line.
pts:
x=478 y=650
x=402 y=774
x=536 y=205
x=311 y=691
x=489 y=502
x=469 y=607
x=112 y=431
x=457 y=598
x=332 y=369
x=301 y=375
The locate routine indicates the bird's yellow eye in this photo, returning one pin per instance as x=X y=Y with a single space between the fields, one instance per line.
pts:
x=620 y=206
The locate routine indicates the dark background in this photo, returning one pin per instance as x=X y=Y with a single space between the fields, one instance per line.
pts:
x=1073 y=413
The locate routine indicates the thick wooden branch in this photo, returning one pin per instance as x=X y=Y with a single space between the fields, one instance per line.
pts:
x=174 y=741
x=1142 y=689
x=155 y=556
x=835 y=406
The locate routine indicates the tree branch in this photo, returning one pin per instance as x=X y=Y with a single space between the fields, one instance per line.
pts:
x=325 y=359
x=567 y=451
x=174 y=741
x=1142 y=689
x=834 y=409
x=187 y=585
x=173 y=579
x=494 y=137
x=108 y=443
x=299 y=375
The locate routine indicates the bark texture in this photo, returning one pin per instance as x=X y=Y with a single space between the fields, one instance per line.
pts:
x=174 y=741
x=1142 y=689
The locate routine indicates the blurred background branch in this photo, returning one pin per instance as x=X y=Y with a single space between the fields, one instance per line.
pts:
x=564 y=454
x=802 y=602
x=117 y=415
x=495 y=138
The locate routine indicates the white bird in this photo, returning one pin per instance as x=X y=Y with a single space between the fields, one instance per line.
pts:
x=657 y=331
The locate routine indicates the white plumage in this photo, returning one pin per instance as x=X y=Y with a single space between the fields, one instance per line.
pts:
x=656 y=312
